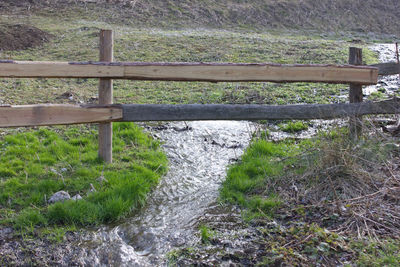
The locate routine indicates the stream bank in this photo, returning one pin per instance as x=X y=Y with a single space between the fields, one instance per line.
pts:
x=199 y=153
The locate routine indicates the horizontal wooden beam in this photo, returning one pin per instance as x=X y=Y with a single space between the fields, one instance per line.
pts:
x=390 y=68
x=37 y=115
x=255 y=112
x=209 y=72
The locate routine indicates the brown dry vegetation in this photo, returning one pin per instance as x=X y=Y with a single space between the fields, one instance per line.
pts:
x=323 y=15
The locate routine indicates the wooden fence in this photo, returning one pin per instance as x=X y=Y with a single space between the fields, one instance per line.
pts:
x=106 y=112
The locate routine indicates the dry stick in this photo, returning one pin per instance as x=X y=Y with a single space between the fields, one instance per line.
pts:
x=106 y=96
x=336 y=196
x=371 y=195
x=375 y=222
x=397 y=55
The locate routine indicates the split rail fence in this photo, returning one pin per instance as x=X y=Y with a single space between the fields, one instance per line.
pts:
x=106 y=112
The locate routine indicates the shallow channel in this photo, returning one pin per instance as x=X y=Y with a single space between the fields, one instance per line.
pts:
x=199 y=154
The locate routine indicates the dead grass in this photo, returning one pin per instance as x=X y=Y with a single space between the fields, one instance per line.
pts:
x=351 y=187
x=363 y=16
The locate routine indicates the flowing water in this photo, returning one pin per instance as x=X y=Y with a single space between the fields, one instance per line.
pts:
x=199 y=153
x=387 y=84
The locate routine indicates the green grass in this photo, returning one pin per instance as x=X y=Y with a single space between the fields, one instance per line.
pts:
x=372 y=253
x=245 y=182
x=258 y=184
x=293 y=126
x=34 y=165
x=206 y=234
x=77 y=40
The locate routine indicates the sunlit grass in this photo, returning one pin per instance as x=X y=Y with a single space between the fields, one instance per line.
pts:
x=34 y=165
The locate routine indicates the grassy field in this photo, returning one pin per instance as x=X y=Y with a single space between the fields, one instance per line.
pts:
x=78 y=41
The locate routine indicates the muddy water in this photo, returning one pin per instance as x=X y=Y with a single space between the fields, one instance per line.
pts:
x=199 y=153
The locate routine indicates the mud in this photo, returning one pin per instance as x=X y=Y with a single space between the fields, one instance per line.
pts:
x=20 y=37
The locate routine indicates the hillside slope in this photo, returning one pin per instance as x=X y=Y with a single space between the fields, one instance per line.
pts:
x=323 y=15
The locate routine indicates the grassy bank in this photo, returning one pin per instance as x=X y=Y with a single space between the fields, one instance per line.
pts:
x=321 y=188
x=366 y=17
x=36 y=164
x=326 y=200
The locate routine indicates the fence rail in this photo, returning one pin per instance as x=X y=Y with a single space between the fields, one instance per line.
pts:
x=385 y=69
x=207 y=72
x=50 y=114
x=354 y=74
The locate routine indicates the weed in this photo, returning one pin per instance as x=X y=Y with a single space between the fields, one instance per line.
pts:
x=206 y=234
x=373 y=253
x=294 y=126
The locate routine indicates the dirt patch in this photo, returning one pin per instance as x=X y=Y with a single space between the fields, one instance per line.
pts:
x=20 y=37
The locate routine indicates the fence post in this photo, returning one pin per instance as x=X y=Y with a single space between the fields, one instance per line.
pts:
x=106 y=96
x=356 y=94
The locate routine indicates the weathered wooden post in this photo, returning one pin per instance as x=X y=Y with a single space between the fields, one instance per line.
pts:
x=106 y=96
x=356 y=94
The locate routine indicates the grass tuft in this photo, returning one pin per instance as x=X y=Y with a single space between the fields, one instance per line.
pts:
x=34 y=165
x=206 y=234
x=293 y=126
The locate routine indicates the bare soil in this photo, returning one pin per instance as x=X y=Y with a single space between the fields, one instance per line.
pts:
x=20 y=37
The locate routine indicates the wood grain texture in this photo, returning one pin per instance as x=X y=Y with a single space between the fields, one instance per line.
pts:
x=385 y=69
x=211 y=72
x=154 y=112
x=39 y=115
x=355 y=93
x=106 y=96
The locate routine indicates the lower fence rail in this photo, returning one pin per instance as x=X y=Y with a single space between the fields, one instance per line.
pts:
x=51 y=114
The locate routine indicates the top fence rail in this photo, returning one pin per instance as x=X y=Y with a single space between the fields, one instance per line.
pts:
x=208 y=72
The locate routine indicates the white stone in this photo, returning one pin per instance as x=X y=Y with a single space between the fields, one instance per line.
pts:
x=59 y=196
x=76 y=197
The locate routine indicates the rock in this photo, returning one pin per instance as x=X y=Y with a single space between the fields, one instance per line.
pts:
x=6 y=232
x=102 y=179
x=91 y=190
x=59 y=196
x=76 y=197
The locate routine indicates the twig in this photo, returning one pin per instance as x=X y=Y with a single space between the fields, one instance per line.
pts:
x=397 y=54
x=302 y=241
x=336 y=196
x=375 y=222
x=373 y=194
